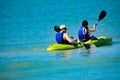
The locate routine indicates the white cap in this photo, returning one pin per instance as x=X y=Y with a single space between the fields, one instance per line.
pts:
x=62 y=26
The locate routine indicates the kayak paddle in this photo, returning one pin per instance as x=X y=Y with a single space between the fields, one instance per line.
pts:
x=57 y=28
x=102 y=15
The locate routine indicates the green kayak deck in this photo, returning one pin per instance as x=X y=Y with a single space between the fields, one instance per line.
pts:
x=102 y=41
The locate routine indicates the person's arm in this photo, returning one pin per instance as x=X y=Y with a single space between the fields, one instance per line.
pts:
x=66 y=37
x=92 y=29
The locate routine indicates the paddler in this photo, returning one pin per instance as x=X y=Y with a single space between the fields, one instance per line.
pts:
x=84 y=33
x=62 y=37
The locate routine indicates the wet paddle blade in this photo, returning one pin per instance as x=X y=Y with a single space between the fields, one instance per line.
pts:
x=56 y=28
x=102 y=15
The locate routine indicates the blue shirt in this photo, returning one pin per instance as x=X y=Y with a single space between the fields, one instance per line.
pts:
x=82 y=35
x=59 y=38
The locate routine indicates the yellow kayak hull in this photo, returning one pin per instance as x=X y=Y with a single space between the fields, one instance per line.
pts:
x=103 y=40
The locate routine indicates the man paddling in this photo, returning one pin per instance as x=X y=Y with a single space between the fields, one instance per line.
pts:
x=62 y=37
x=84 y=33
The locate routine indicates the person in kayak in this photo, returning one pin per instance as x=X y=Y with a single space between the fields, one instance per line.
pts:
x=84 y=33
x=62 y=37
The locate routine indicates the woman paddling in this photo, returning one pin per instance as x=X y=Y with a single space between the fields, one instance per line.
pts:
x=84 y=33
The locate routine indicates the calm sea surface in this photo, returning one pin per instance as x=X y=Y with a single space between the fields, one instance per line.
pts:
x=26 y=29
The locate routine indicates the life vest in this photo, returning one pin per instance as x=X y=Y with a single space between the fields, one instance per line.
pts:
x=82 y=35
x=59 y=38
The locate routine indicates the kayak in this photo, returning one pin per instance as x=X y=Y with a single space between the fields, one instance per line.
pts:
x=101 y=41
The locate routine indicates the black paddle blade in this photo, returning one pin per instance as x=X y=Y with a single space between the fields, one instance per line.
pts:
x=57 y=28
x=102 y=15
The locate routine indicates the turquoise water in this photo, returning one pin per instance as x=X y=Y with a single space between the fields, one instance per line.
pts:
x=26 y=29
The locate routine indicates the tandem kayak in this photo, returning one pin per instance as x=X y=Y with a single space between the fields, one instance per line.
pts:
x=102 y=41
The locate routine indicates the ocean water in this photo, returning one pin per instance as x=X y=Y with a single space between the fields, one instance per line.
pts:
x=26 y=30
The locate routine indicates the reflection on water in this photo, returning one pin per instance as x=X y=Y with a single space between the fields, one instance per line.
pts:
x=79 y=52
x=65 y=53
